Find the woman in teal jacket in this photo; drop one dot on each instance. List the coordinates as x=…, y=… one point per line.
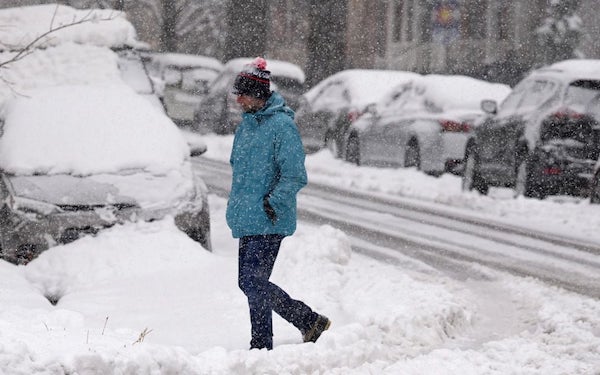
x=268, y=166
x=267, y=159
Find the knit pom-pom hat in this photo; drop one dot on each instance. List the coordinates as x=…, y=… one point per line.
x=254, y=80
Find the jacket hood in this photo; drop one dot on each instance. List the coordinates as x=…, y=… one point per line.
x=275, y=104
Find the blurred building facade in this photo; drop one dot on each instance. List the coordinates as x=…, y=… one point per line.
x=491, y=39
x=488, y=39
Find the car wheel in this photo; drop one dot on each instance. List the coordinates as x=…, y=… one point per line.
x=196, y=226
x=471, y=178
x=595, y=188
x=353, y=150
x=412, y=156
x=331, y=144
x=525, y=184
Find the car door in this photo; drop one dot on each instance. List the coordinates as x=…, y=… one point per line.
x=395, y=136
x=370, y=139
x=326, y=105
x=496, y=139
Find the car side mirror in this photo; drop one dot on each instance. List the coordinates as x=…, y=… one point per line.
x=489, y=106
x=197, y=150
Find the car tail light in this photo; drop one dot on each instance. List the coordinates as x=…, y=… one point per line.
x=566, y=114
x=353, y=116
x=455, y=126
x=551, y=171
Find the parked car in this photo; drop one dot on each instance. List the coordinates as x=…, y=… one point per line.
x=593, y=109
x=219, y=113
x=422, y=123
x=540, y=141
x=187, y=79
x=84, y=53
x=327, y=109
x=100, y=156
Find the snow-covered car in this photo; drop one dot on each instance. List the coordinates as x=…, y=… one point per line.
x=76, y=159
x=218, y=111
x=101, y=41
x=540, y=140
x=422, y=123
x=328, y=108
x=186, y=78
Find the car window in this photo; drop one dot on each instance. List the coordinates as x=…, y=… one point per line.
x=134, y=72
x=580, y=93
x=333, y=95
x=512, y=101
x=537, y=92
x=172, y=77
x=593, y=107
x=221, y=82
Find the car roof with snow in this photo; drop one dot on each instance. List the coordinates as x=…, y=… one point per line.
x=183, y=60
x=361, y=86
x=570, y=70
x=276, y=67
x=20, y=26
x=436, y=93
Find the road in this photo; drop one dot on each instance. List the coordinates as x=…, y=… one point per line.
x=459, y=244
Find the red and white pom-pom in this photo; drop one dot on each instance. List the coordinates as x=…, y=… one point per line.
x=260, y=63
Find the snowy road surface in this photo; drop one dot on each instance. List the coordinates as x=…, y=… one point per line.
x=451, y=240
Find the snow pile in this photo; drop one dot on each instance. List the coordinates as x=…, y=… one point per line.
x=66, y=64
x=122, y=131
x=151, y=277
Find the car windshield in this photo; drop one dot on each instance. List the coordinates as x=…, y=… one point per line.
x=580, y=93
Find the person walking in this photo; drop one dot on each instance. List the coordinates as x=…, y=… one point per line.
x=267, y=160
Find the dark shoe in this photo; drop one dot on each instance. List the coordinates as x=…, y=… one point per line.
x=261, y=344
x=319, y=326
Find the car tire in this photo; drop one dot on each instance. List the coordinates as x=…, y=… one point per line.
x=595, y=188
x=412, y=155
x=471, y=179
x=353, y=149
x=525, y=183
x=196, y=227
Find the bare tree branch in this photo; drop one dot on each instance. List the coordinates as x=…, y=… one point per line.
x=29, y=48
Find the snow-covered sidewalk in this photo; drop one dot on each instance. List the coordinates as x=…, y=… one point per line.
x=150, y=278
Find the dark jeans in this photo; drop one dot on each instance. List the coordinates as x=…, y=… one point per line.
x=257, y=256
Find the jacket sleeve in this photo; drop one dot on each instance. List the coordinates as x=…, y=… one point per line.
x=289, y=156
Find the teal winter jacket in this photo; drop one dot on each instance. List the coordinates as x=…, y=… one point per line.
x=267, y=159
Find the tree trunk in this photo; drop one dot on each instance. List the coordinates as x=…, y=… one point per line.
x=168, y=40
x=247, y=24
x=326, y=39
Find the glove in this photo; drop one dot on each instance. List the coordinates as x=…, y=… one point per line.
x=269, y=210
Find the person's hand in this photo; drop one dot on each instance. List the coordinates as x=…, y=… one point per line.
x=269, y=210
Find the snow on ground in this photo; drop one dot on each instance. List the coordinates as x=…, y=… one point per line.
x=143, y=298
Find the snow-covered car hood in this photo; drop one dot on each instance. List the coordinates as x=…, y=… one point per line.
x=136, y=188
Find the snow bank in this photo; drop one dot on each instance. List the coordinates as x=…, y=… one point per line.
x=100, y=27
